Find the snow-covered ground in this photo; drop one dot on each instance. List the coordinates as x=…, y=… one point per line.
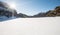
x=31, y=26
x=4, y=18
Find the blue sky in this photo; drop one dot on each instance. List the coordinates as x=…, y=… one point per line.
x=32, y=7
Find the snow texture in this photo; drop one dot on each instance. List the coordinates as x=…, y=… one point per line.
x=31, y=26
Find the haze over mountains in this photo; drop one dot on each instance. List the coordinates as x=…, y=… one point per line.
x=7, y=12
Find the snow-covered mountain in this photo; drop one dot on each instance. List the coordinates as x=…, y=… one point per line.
x=6, y=13
x=31, y=26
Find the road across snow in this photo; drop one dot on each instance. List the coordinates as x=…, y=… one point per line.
x=31, y=26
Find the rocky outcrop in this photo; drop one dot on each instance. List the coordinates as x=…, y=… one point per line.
x=55, y=12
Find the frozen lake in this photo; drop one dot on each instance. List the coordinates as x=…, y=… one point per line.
x=31, y=26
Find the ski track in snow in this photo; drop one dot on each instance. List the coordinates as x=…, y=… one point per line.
x=31, y=26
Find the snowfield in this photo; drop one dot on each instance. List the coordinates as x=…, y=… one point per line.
x=31, y=26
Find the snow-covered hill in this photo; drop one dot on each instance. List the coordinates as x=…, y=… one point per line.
x=31, y=26
x=4, y=18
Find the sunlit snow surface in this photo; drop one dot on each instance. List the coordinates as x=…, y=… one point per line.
x=31, y=26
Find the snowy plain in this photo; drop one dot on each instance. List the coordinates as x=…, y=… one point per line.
x=31, y=26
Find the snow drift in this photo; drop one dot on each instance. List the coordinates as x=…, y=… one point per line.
x=31, y=26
